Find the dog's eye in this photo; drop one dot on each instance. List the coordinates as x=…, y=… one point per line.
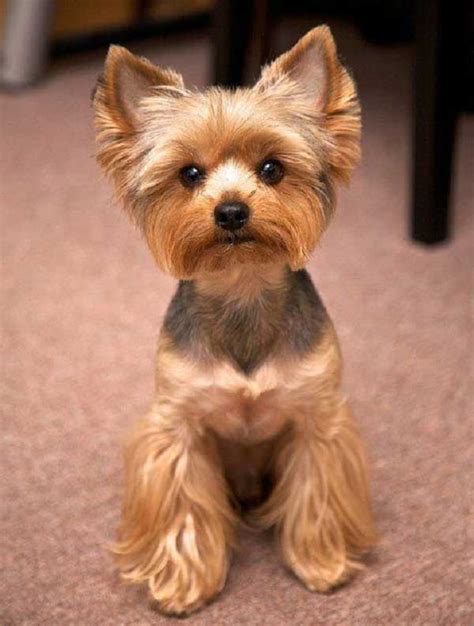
x=191, y=176
x=271, y=171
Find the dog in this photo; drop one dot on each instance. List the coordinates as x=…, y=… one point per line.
x=232, y=190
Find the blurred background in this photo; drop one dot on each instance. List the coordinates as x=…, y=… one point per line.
x=82, y=302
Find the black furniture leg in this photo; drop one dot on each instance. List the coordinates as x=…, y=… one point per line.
x=232, y=26
x=436, y=94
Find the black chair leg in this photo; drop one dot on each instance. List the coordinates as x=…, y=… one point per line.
x=232, y=28
x=436, y=105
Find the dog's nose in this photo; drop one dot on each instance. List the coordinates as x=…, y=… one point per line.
x=231, y=215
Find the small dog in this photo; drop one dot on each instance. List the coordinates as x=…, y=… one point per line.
x=232, y=190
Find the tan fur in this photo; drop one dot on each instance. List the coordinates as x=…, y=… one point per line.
x=215, y=429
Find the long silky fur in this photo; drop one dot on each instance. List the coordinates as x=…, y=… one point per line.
x=325, y=524
x=177, y=525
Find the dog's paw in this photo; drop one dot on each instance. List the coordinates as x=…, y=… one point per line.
x=182, y=588
x=321, y=577
x=184, y=567
x=178, y=592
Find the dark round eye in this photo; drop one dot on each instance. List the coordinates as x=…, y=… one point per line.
x=271, y=172
x=191, y=175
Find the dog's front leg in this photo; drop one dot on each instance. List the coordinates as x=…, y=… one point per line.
x=320, y=503
x=177, y=524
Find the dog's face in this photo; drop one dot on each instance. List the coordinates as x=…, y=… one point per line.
x=229, y=177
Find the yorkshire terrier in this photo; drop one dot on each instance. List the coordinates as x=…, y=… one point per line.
x=232, y=190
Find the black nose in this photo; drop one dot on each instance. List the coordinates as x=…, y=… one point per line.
x=231, y=215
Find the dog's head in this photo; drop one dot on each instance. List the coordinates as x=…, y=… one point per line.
x=227, y=177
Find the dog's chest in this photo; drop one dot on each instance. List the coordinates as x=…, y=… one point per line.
x=238, y=369
x=249, y=413
x=249, y=409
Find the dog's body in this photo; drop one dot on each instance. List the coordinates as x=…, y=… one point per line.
x=232, y=191
x=241, y=364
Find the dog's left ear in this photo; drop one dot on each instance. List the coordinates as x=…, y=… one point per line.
x=126, y=80
x=312, y=71
x=309, y=65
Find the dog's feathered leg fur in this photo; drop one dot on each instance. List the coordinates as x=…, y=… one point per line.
x=320, y=504
x=177, y=524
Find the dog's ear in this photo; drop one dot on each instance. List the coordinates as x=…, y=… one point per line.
x=312, y=71
x=309, y=65
x=120, y=103
x=126, y=80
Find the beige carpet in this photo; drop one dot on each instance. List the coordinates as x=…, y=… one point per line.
x=80, y=311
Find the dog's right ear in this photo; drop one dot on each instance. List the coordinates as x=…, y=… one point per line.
x=126, y=80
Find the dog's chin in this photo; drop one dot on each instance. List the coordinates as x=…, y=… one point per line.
x=226, y=252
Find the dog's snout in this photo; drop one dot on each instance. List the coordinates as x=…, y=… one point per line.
x=231, y=215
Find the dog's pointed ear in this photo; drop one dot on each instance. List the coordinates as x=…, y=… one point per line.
x=126, y=80
x=308, y=65
x=312, y=71
x=120, y=100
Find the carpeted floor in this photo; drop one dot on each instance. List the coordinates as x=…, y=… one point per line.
x=80, y=310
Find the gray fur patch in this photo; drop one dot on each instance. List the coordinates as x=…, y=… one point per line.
x=289, y=319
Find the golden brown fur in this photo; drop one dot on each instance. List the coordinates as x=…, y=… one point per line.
x=248, y=376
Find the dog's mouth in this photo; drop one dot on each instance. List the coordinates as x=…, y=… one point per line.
x=244, y=247
x=236, y=239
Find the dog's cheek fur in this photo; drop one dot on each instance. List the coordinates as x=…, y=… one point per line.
x=124, y=153
x=295, y=213
x=179, y=231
